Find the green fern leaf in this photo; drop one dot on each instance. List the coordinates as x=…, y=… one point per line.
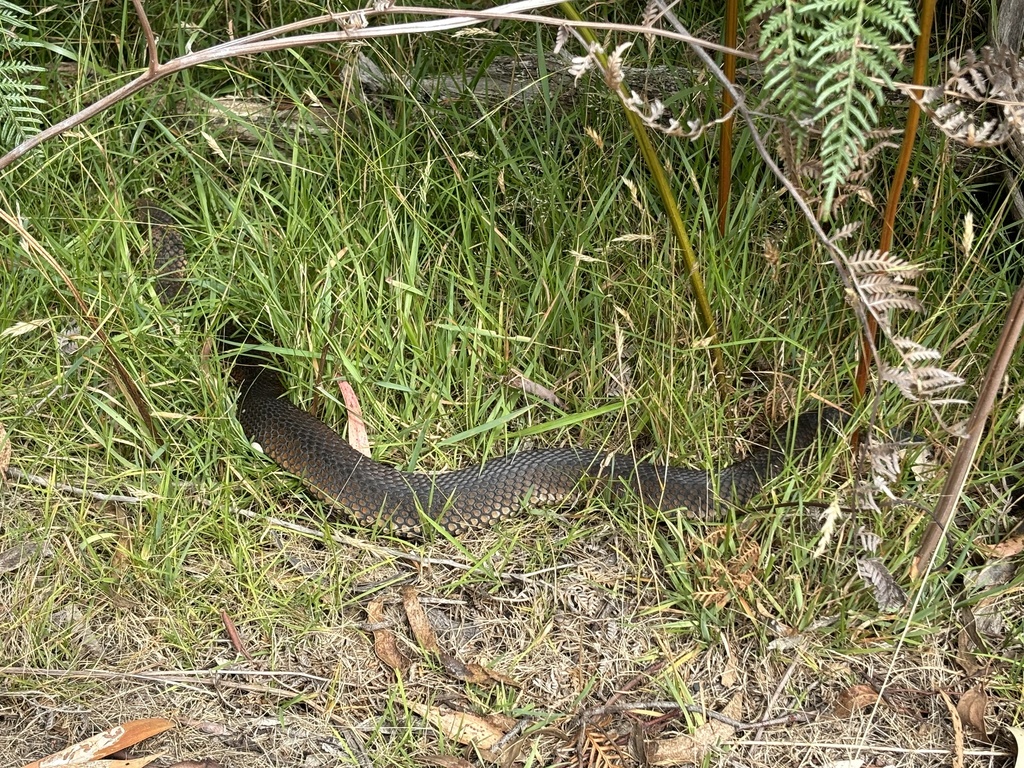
x=20, y=113
x=827, y=60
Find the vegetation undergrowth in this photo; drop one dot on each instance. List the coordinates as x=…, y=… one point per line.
x=426, y=250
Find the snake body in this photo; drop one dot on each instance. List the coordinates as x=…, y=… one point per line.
x=409, y=503
x=375, y=494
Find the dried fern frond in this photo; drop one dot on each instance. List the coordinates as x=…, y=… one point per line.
x=845, y=231
x=893, y=301
x=921, y=383
x=889, y=595
x=869, y=262
x=884, y=284
x=914, y=352
x=882, y=281
x=982, y=102
x=652, y=12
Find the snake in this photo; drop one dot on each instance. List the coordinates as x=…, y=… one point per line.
x=412, y=504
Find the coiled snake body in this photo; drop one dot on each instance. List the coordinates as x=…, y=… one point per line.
x=403, y=502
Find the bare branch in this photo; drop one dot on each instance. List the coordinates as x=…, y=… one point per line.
x=269, y=40
x=147, y=30
x=964, y=459
x=81, y=493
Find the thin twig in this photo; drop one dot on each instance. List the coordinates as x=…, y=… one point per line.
x=147, y=30
x=777, y=693
x=182, y=679
x=495, y=14
x=81, y=493
x=697, y=709
x=233, y=636
x=858, y=747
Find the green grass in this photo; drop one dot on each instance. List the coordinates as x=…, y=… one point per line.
x=424, y=253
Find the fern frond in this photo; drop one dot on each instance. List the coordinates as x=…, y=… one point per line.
x=845, y=231
x=881, y=283
x=913, y=352
x=921, y=383
x=868, y=262
x=983, y=99
x=856, y=52
x=885, y=303
x=20, y=113
x=840, y=53
x=785, y=36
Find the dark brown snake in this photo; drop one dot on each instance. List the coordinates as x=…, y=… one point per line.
x=408, y=503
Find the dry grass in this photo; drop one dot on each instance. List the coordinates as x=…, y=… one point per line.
x=576, y=613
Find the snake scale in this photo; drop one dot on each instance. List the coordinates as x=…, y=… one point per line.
x=409, y=503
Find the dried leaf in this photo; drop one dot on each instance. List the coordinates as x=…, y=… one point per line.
x=418, y=621
x=992, y=575
x=357, y=436
x=730, y=675
x=384, y=644
x=1010, y=547
x=519, y=381
x=889, y=595
x=958, y=731
x=854, y=698
x=463, y=727
x=971, y=709
x=13, y=558
x=989, y=621
x=102, y=744
x=5, y=452
x=693, y=748
x=966, y=642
